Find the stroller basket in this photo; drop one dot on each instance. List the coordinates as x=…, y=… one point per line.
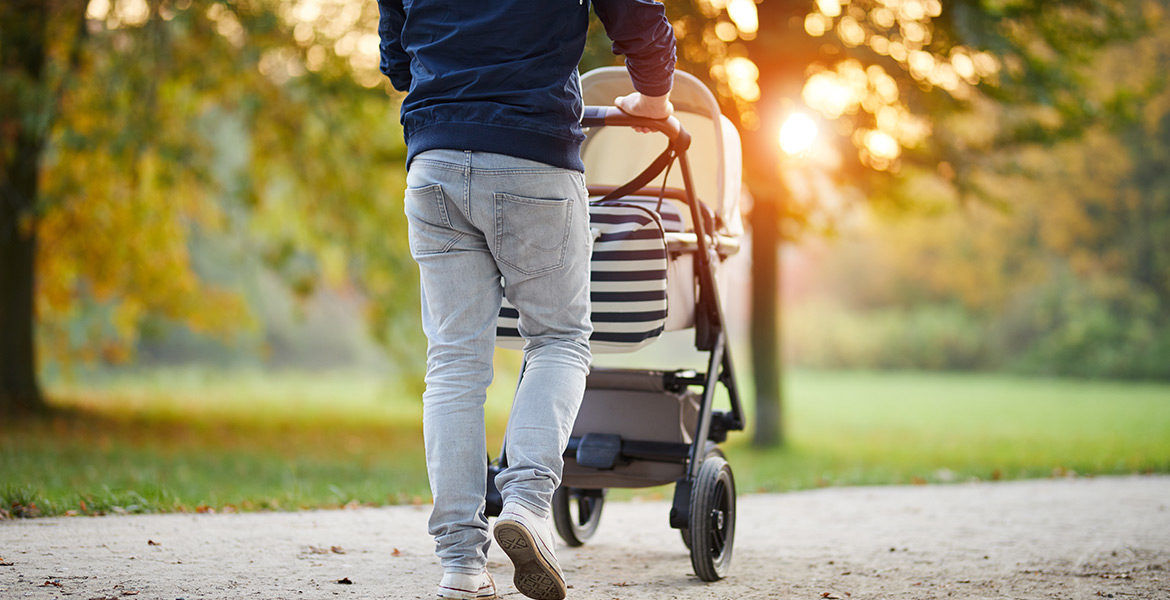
x=633, y=430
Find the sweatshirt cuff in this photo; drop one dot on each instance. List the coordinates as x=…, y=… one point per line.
x=654, y=88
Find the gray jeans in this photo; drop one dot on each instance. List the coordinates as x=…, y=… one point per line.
x=483, y=225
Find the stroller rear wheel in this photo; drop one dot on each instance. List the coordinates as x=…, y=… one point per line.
x=709, y=449
x=712, y=522
x=576, y=513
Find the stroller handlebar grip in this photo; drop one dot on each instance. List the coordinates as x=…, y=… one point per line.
x=602, y=116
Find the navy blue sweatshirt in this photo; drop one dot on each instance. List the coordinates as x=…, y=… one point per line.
x=501, y=75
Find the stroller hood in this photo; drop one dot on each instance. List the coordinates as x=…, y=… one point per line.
x=614, y=155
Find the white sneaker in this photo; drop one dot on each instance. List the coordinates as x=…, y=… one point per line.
x=527, y=540
x=461, y=586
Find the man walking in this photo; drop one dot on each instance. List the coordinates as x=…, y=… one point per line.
x=496, y=206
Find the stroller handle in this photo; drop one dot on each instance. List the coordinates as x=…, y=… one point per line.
x=602, y=116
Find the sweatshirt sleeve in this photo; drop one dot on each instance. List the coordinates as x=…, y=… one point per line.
x=395, y=63
x=641, y=32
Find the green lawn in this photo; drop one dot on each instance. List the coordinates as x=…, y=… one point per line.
x=194, y=440
x=848, y=428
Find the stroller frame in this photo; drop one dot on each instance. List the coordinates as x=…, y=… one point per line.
x=711, y=426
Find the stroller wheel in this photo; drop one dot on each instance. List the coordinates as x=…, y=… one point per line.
x=709, y=450
x=576, y=513
x=712, y=523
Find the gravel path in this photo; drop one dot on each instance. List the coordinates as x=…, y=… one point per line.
x=1065, y=538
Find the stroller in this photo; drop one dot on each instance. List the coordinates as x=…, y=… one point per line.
x=659, y=236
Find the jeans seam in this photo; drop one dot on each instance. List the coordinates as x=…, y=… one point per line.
x=467, y=170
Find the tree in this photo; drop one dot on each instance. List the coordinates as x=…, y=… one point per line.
x=888, y=75
x=1063, y=272
x=37, y=36
x=260, y=124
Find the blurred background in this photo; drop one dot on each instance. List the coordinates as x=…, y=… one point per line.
x=957, y=265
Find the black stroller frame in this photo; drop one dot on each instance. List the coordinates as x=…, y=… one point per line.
x=703, y=505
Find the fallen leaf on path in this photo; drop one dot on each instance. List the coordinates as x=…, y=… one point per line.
x=396, y=552
x=152, y=543
x=5, y=563
x=49, y=582
x=829, y=596
x=323, y=550
x=345, y=581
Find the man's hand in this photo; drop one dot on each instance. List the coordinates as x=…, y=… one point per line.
x=651, y=107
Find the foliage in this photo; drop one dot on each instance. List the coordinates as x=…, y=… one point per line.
x=1065, y=273
x=824, y=334
x=264, y=129
x=261, y=127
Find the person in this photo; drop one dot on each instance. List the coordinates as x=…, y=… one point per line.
x=497, y=207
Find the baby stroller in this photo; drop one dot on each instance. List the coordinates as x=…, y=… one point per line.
x=660, y=234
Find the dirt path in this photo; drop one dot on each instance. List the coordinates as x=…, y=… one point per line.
x=1067, y=538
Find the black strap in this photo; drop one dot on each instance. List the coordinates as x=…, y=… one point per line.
x=643, y=178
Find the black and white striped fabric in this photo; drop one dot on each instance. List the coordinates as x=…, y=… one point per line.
x=627, y=283
x=668, y=212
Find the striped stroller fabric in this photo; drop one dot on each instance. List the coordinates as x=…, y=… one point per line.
x=667, y=211
x=627, y=281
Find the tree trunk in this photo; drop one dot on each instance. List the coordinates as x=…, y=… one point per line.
x=782, y=51
x=767, y=361
x=19, y=391
x=23, y=104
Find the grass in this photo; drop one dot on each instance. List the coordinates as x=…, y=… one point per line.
x=850, y=428
x=190, y=440
x=193, y=440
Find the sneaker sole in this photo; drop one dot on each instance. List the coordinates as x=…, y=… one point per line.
x=535, y=576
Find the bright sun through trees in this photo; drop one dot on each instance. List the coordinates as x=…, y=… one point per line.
x=896, y=29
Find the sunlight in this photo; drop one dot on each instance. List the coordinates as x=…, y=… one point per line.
x=830, y=8
x=817, y=24
x=743, y=14
x=742, y=75
x=797, y=134
x=828, y=93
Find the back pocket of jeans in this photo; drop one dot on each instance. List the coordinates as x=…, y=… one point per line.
x=429, y=224
x=532, y=233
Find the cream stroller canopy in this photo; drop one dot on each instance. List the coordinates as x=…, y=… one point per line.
x=615, y=155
